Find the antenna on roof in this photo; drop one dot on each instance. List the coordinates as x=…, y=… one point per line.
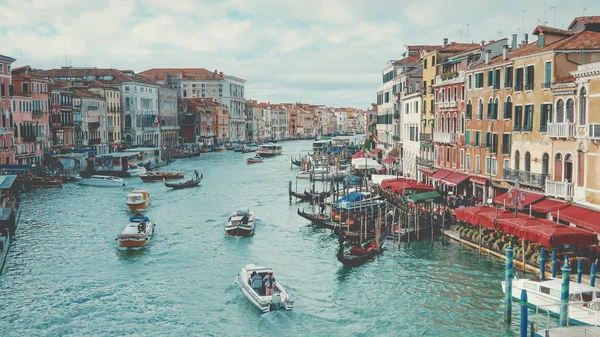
x=467, y=32
x=65, y=52
x=523, y=21
x=584, y=11
x=554, y=7
x=545, y=22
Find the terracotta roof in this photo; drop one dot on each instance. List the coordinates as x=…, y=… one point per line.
x=200, y=102
x=569, y=79
x=455, y=47
x=186, y=73
x=84, y=93
x=586, y=20
x=424, y=47
x=117, y=75
x=587, y=40
x=414, y=58
x=551, y=30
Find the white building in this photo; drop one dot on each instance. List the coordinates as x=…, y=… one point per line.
x=92, y=109
x=341, y=125
x=360, y=122
x=412, y=103
x=386, y=105
x=279, y=122
x=140, y=112
x=169, y=120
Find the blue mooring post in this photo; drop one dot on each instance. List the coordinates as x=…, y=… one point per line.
x=564, y=293
x=508, y=285
x=523, y=313
x=542, y=264
x=593, y=274
x=579, y=270
x=553, y=263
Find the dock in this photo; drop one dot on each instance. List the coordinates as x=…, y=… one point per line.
x=571, y=331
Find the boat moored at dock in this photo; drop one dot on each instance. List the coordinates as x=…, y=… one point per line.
x=103, y=181
x=137, y=233
x=4, y=244
x=138, y=200
x=268, y=296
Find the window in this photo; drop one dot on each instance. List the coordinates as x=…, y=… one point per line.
x=478, y=80
x=469, y=112
x=519, y=79
x=470, y=81
x=462, y=96
x=506, y=143
x=477, y=138
x=454, y=157
x=468, y=137
x=1, y=67
x=570, y=111
x=529, y=78
x=490, y=78
x=425, y=64
x=477, y=164
x=580, y=168
x=462, y=159
x=508, y=77
x=25, y=87
x=455, y=94
x=448, y=155
x=560, y=111
x=517, y=160
x=547, y=74
x=582, y=106
x=506, y=163
x=480, y=109
x=545, y=116
x=545, y=163
x=496, y=79
x=528, y=118
x=508, y=108
x=517, y=120
x=488, y=139
x=468, y=161
x=527, y=162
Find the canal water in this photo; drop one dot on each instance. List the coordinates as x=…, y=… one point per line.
x=65, y=275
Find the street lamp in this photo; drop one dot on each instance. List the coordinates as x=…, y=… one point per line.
x=516, y=196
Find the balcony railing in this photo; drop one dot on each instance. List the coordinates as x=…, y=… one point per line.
x=445, y=137
x=526, y=178
x=94, y=141
x=425, y=137
x=447, y=105
x=29, y=138
x=424, y=162
x=39, y=138
x=93, y=125
x=92, y=107
x=561, y=130
x=396, y=138
x=559, y=189
x=111, y=128
x=450, y=76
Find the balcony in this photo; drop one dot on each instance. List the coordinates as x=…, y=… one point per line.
x=94, y=141
x=39, y=138
x=447, y=105
x=93, y=125
x=559, y=189
x=36, y=112
x=424, y=162
x=525, y=178
x=127, y=129
x=396, y=139
x=450, y=76
x=396, y=116
x=561, y=130
x=111, y=128
x=2, y=131
x=425, y=137
x=29, y=138
x=445, y=137
x=92, y=107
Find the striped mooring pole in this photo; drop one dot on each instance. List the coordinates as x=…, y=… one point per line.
x=564, y=293
x=579, y=270
x=542, y=264
x=508, y=285
x=553, y=263
x=593, y=274
x=523, y=313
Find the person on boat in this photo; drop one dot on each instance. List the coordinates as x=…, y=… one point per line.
x=245, y=219
x=141, y=227
x=269, y=282
x=321, y=208
x=256, y=282
x=196, y=173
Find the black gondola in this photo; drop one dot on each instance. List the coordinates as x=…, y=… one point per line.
x=302, y=197
x=297, y=162
x=355, y=259
x=423, y=233
x=185, y=184
x=321, y=221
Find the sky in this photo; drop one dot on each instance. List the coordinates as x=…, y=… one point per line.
x=311, y=51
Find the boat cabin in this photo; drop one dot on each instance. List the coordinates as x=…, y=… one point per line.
x=147, y=155
x=578, y=292
x=321, y=145
x=138, y=196
x=107, y=178
x=10, y=204
x=341, y=141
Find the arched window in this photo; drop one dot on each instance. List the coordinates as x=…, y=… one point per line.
x=545, y=160
x=560, y=111
x=517, y=160
x=558, y=167
x=455, y=94
x=448, y=123
x=127, y=121
x=495, y=108
x=582, y=106
x=568, y=168
x=580, y=167
x=480, y=109
x=127, y=103
x=462, y=123
x=527, y=162
x=454, y=123
x=570, y=111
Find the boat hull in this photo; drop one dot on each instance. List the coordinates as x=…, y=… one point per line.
x=159, y=177
x=92, y=182
x=281, y=300
x=4, y=243
x=138, y=206
x=268, y=154
x=136, y=241
x=239, y=232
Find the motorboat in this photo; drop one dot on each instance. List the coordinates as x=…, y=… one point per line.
x=160, y=176
x=43, y=182
x=241, y=223
x=138, y=200
x=321, y=174
x=137, y=233
x=221, y=148
x=278, y=300
x=4, y=244
x=136, y=171
x=105, y=181
x=254, y=160
x=269, y=150
x=584, y=300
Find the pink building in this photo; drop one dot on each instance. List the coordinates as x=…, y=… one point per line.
x=31, y=115
x=7, y=155
x=371, y=121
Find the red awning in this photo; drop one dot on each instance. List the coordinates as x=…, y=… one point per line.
x=441, y=174
x=580, y=216
x=478, y=180
x=487, y=217
x=547, y=205
x=389, y=160
x=360, y=154
x=454, y=179
x=529, y=199
x=467, y=214
x=374, y=152
x=426, y=171
x=401, y=184
x=546, y=232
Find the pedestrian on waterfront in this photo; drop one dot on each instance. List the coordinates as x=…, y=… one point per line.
x=269, y=282
x=256, y=282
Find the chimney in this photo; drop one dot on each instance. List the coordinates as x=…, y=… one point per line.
x=519, y=46
x=505, y=52
x=487, y=56
x=526, y=38
x=513, y=44
x=215, y=71
x=523, y=43
x=220, y=73
x=445, y=41
x=482, y=42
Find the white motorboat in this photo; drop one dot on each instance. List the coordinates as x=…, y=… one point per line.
x=137, y=233
x=241, y=223
x=106, y=181
x=269, y=150
x=136, y=171
x=322, y=174
x=280, y=298
x=584, y=300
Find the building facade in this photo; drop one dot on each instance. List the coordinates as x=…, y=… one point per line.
x=62, y=125
x=7, y=108
x=169, y=120
x=92, y=109
x=112, y=97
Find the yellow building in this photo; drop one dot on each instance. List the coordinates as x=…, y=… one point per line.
x=113, y=112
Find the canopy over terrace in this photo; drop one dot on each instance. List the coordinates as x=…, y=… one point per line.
x=419, y=198
x=579, y=216
x=366, y=164
x=505, y=200
x=400, y=185
x=360, y=154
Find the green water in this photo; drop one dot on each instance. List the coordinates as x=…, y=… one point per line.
x=65, y=275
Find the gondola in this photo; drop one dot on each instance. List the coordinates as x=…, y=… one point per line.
x=296, y=162
x=424, y=232
x=185, y=184
x=301, y=197
x=358, y=256
x=321, y=221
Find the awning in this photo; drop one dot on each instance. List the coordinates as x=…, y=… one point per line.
x=547, y=205
x=579, y=216
x=374, y=152
x=426, y=171
x=389, y=160
x=488, y=216
x=441, y=174
x=454, y=179
x=530, y=198
x=478, y=180
x=366, y=163
x=360, y=154
x=546, y=232
x=399, y=185
x=467, y=214
x=423, y=197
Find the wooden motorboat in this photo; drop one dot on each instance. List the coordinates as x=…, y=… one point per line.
x=185, y=184
x=104, y=181
x=254, y=160
x=279, y=299
x=160, y=176
x=137, y=233
x=43, y=182
x=138, y=200
x=241, y=223
x=221, y=148
x=185, y=154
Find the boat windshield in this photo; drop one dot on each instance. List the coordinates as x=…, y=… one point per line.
x=135, y=197
x=243, y=211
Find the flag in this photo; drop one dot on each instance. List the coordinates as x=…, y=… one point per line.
x=157, y=119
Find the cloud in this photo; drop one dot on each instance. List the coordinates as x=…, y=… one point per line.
x=320, y=51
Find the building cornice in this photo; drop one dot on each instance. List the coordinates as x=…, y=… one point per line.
x=586, y=73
